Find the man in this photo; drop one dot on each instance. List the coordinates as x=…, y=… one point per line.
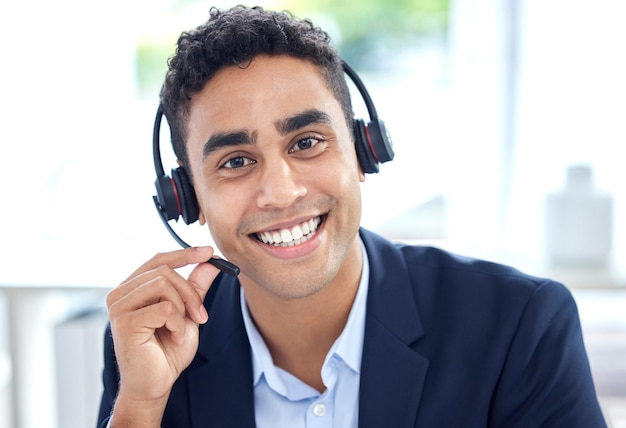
x=327, y=324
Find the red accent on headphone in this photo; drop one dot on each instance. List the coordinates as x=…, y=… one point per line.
x=369, y=141
x=180, y=209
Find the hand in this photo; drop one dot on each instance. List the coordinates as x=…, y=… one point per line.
x=154, y=322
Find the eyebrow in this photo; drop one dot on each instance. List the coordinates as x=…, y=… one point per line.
x=226, y=139
x=300, y=120
x=283, y=126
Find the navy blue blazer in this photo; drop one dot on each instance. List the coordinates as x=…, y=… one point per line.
x=449, y=342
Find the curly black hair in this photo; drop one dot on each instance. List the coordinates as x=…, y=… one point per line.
x=235, y=37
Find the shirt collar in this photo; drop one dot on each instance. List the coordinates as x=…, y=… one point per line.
x=348, y=346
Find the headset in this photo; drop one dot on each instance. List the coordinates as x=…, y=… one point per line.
x=175, y=196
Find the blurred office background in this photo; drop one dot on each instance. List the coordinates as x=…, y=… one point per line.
x=507, y=117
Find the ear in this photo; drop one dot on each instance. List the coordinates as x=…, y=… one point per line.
x=201, y=219
x=361, y=175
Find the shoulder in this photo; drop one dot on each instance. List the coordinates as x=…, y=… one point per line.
x=442, y=281
x=493, y=335
x=433, y=264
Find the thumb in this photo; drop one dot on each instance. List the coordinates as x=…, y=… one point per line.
x=202, y=276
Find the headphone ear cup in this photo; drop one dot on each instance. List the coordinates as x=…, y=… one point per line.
x=364, y=153
x=166, y=198
x=186, y=195
x=380, y=141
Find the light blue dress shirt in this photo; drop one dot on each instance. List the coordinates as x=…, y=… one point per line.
x=283, y=401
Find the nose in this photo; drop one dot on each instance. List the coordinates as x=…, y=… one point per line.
x=279, y=185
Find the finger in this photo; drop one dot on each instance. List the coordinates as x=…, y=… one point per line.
x=187, y=292
x=157, y=279
x=148, y=293
x=201, y=278
x=175, y=259
x=174, y=323
x=162, y=283
x=145, y=321
x=164, y=265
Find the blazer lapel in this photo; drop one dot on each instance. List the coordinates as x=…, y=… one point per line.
x=392, y=373
x=220, y=384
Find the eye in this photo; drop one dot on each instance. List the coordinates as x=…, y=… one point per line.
x=237, y=162
x=306, y=143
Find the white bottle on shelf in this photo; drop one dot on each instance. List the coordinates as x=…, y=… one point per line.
x=579, y=221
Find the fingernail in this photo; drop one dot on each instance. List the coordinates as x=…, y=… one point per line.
x=204, y=316
x=203, y=249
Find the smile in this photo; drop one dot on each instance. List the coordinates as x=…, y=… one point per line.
x=295, y=235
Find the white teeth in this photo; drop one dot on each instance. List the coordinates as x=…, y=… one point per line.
x=290, y=237
x=296, y=232
x=286, y=235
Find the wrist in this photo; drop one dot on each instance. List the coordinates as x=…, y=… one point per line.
x=133, y=413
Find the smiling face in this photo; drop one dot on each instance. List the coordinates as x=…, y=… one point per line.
x=276, y=176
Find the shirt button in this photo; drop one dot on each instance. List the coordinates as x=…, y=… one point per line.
x=319, y=409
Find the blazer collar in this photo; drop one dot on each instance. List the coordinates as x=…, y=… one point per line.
x=392, y=373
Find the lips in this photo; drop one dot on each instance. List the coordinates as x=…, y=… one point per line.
x=292, y=236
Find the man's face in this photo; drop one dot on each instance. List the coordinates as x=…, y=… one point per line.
x=276, y=175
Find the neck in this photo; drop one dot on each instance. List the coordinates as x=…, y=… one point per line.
x=299, y=332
